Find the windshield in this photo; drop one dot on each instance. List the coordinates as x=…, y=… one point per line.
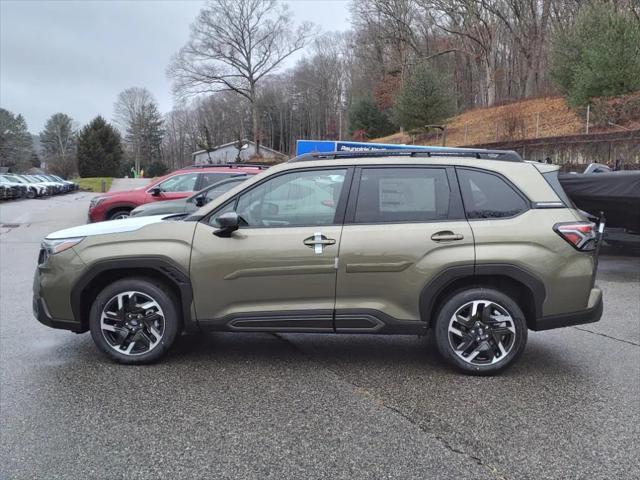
x=11, y=178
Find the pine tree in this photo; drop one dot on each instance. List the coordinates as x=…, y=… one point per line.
x=366, y=116
x=16, y=148
x=99, y=150
x=425, y=99
x=599, y=56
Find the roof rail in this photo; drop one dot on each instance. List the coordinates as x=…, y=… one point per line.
x=232, y=165
x=504, y=155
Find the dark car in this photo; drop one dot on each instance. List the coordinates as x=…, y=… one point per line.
x=192, y=203
x=13, y=189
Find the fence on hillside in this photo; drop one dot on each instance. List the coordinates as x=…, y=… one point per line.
x=573, y=150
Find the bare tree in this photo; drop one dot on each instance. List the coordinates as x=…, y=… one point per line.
x=526, y=21
x=58, y=140
x=137, y=116
x=234, y=45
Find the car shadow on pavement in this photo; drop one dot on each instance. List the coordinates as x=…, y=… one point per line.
x=350, y=351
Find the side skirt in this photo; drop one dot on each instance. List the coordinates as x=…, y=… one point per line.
x=316, y=321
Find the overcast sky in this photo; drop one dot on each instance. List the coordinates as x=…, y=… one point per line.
x=76, y=56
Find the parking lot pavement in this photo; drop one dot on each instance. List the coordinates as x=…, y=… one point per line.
x=304, y=406
x=120, y=184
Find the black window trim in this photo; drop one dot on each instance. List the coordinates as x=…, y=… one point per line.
x=456, y=210
x=528, y=204
x=338, y=218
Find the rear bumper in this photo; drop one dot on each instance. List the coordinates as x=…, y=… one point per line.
x=591, y=314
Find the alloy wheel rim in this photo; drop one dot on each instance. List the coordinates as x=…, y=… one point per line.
x=120, y=216
x=482, y=332
x=132, y=323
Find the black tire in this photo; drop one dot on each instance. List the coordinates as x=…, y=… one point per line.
x=31, y=193
x=456, y=303
x=149, y=288
x=119, y=213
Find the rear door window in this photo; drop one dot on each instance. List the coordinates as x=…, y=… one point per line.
x=486, y=195
x=209, y=178
x=390, y=195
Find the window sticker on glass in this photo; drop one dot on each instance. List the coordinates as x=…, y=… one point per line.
x=407, y=194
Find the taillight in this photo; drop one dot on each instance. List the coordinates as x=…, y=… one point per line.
x=581, y=235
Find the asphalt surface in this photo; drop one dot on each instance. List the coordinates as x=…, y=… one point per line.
x=120, y=184
x=305, y=406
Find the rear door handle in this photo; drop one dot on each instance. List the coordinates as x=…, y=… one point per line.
x=446, y=236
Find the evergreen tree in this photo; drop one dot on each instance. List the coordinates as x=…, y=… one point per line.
x=16, y=148
x=599, y=56
x=366, y=116
x=425, y=99
x=99, y=150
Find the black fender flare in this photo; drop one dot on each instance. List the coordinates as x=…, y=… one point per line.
x=439, y=283
x=164, y=266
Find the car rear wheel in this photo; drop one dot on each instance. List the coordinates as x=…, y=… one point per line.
x=119, y=214
x=480, y=331
x=134, y=321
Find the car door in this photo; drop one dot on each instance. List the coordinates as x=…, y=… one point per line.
x=277, y=271
x=403, y=226
x=175, y=187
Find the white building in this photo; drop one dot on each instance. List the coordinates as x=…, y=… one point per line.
x=228, y=153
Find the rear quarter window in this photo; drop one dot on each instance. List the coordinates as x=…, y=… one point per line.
x=554, y=183
x=486, y=195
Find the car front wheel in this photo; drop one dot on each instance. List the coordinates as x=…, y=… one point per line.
x=481, y=331
x=119, y=214
x=134, y=321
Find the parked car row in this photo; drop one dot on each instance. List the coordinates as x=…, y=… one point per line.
x=13, y=185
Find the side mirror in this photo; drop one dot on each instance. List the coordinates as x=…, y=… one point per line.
x=156, y=191
x=228, y=223
x=200, y=201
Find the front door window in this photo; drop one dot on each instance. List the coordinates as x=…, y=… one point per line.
x=308, y=198
x=179, y=183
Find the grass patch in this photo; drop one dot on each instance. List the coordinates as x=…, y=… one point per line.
x=93, y=184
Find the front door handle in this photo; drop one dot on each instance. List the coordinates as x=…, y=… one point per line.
x=317, y=241
x=446, y=236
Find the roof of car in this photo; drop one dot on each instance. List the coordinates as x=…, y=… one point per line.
x=440, y=152
x=223, y=167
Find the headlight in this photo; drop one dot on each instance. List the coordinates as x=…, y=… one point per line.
x=95, y=201
x=58, y=246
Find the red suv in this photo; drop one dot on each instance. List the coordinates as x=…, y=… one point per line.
x=179, y=184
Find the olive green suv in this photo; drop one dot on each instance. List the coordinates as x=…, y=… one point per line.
x=476, y=247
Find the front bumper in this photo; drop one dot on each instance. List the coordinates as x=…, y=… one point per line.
x=591, y=314
x=52, y=282
x=41, y=312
